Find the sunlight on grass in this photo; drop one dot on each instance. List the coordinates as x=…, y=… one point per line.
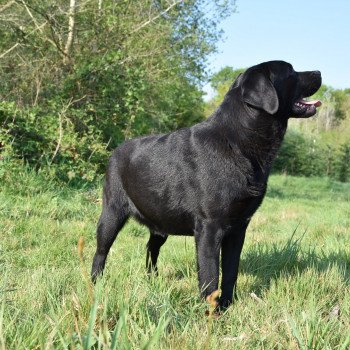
x=295, y=270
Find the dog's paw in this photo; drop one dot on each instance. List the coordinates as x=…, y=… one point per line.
x=213, y=301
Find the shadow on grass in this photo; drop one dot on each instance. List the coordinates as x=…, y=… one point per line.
x=269, y=263
x=274, y=192
x=327, y=189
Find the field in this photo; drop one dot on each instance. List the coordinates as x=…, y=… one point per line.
x=293, y=286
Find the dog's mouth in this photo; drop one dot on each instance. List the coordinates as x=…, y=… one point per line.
x=303, y=108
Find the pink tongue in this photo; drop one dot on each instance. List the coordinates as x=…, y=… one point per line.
x=316, y=103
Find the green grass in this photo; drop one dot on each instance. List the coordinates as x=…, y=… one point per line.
x=296, y=260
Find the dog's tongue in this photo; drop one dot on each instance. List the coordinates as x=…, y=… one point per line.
x=316, y=103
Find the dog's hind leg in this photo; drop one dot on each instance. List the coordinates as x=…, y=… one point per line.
x=154, y=244
x=115, y=212
x=110, y=223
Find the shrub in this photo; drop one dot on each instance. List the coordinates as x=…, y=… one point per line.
x=308, y=156
x=50, y=141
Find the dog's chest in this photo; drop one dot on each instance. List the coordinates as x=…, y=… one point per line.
x=233, y=200
x=244, y=208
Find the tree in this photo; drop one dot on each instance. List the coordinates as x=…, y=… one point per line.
x=334, y=109
x=221, y=82
x=123, y=68
x=225, y=76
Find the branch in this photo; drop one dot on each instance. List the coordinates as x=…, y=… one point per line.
x=2, y=9
x=44, y=36
x=58, y=146
x=56, y=40
x=60, y=136
x=61, y=115
x=9, y=50
x=14, y=46
x=156, y=17
x=71, y=24
x=30, y=14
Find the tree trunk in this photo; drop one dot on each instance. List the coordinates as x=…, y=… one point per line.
x=70, y=36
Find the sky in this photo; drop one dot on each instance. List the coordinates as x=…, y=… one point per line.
x=309, y=34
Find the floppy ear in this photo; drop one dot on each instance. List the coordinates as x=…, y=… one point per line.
x=258, y=91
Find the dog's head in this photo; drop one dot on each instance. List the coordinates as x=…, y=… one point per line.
x=276, y=88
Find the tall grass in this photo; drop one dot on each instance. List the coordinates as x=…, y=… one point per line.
x=295, y=271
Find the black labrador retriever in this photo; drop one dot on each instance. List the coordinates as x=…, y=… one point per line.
x=209, y=179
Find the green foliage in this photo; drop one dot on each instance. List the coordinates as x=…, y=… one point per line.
x=309, y=156
x=131, y=68
x=54, y=144
x=335, y=107
x=226, y=76
x=342, y=163
x=221, y=82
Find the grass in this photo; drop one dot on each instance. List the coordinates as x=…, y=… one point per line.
x=293, y=285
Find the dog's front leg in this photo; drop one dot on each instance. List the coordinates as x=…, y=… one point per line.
x=208, y=243
x=231, y=248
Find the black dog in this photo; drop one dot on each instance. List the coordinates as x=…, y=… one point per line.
x=209, y=179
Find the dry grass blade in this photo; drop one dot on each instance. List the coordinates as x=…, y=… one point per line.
x=238, y=338
x=334, y=313
x=256, y=298
x=81, y=245
x=213, y=304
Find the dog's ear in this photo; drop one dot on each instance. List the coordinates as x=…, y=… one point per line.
x=258, y=91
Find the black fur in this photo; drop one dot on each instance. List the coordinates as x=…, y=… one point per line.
x=206, y=180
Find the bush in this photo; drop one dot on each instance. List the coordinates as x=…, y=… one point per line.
x=341, y=168
x=308, y=156
x=59, y=146
x=50, y=142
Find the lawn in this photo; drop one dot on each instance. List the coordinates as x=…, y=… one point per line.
x=293, y=286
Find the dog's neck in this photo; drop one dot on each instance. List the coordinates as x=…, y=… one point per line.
x=257, y=137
